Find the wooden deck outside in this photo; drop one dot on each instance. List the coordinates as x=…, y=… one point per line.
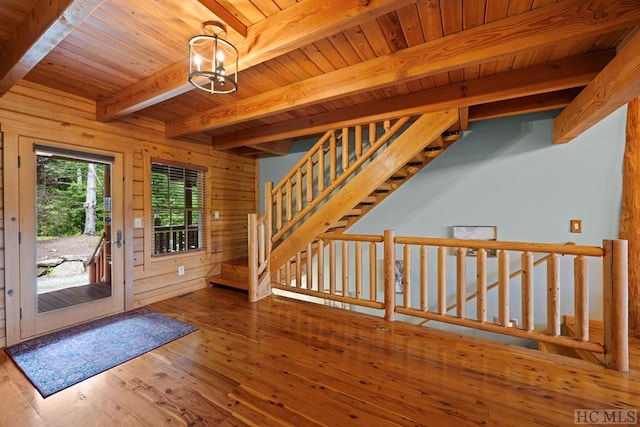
x=67, y=297
x=286, y=362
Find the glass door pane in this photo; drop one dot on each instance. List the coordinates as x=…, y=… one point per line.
x=73, y=259
x=71, y=247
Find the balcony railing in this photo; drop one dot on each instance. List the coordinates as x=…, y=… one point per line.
x=172, y=239
x=438, y=278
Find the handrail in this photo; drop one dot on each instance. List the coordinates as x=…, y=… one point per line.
x=352, y=237
x=97, y=248
x=351, y=276
x=316, y=190
x=552, y=248
x=99, y=271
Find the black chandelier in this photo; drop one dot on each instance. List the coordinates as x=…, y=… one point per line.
x=213, y=61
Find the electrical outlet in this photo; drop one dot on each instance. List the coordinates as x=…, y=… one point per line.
x=181, y=270
x=216, y=215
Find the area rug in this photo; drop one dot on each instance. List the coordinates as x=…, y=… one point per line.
x=56, y=361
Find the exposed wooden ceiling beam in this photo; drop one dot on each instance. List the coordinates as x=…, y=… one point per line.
x=227, y=16
x=527, y=104
x=617, y=84
x=286, y=31
x=247, y=152
x=554, y=76
x=44, y=28
x=563, y=21
x=309, y=21
x=279, y=148
x=463, y=112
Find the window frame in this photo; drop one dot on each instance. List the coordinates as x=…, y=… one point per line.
x=201, y=207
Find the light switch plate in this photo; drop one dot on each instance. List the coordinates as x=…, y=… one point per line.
x=576, y=226
x=137, y=222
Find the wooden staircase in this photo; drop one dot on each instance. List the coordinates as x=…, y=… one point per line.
x=371, y=181
x=395, y=181
x=339, y=181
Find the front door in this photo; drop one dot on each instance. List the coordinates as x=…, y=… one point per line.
x=71, y=249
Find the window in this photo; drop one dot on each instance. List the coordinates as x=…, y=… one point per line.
x=177, y=206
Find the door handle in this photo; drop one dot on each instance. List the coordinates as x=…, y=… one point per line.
x=119, y=238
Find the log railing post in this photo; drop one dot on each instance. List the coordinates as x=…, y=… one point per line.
x=389, y=275
x=581, y=297
x=503, y=287
x=253, y=257
x=268, y=209
x=481, y=285
x=527, y=291
x=461, y=282
x=615, y=304
x=553, y=295
x=630, y=210
x=442, y=280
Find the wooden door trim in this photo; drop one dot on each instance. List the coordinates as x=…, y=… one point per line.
x=11, y=233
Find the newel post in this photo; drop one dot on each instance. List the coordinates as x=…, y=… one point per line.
x=615, y=308
x=389, y=275
x=253, y=257
x=268, y=209
x=268, y=197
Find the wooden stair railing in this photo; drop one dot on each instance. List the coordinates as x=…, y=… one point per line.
x=349, y=198
x=477, y=296
x=307, y=171
x=326, y=166
x=349, y=272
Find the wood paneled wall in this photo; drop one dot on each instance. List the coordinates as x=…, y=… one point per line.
x=39, y=112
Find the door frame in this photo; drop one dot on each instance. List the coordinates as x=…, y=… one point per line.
x=12, y=196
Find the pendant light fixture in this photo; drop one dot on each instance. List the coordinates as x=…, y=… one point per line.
x=213, y=61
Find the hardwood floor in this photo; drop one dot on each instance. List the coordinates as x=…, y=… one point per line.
x=285, y=362
x=66, y=297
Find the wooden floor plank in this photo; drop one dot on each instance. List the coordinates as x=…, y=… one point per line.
x=285, y=362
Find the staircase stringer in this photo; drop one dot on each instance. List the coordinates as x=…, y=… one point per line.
x=408, y=145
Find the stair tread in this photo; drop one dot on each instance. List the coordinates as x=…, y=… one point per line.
x=237, y=261
x=233, y=273
x=222, y=280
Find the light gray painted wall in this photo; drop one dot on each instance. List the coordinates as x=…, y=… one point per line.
x=506, y=172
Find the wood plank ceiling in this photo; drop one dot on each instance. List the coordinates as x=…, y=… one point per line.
x=310, y=65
